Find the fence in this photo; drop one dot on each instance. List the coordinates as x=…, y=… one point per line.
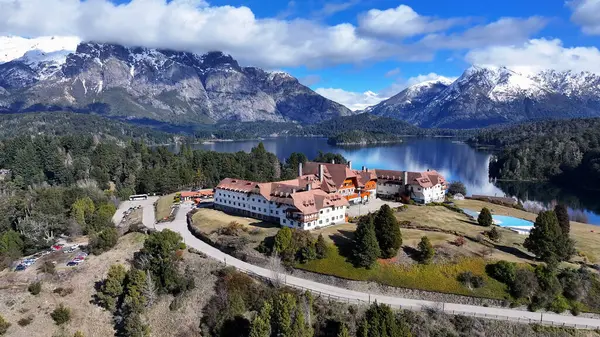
x=440, y=306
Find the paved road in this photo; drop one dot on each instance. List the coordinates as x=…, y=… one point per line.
x=179, y=225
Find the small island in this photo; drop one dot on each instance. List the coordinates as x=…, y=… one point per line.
x=357, y=137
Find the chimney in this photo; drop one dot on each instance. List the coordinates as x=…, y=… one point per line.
x=350, y=164
x=308, y=187
x=299, y=169
x=405, y=181
x=333, y=161
x=364, y=168
x=321, y=172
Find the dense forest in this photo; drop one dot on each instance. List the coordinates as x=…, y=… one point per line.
x=69, y=123
x=361, y=138
x=565, y=151
x=71, y=184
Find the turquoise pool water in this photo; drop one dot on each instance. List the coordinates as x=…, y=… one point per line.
x=506, y=221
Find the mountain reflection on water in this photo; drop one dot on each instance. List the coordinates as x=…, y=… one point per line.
x=453, y=159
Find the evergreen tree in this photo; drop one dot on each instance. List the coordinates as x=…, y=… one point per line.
x=284, y=305
x=547, y=241
x=380, y=321
x=135, y=327
x=321, y=247
x=387, y=230
x=343, y=331
x=562, y=215
x=457, y=187
x=135, y=284
x=112, y=288
x=485, y=218
x=426, y=251
x=261, y=325
x=159, y=257
x=283, y=239
x=366, y=249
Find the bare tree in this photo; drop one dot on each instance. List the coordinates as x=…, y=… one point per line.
x=150, y=290
x=36, y=230
x=277, y=276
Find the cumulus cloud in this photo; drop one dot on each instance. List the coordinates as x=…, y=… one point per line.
x=586, y=13
x=403, y=22
x=501, y=32
x=195, y=26
x=538, y=54
x=361, y=100
x=352, y=100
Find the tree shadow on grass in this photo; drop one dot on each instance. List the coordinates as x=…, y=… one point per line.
x=343, y=240
x=514, y=251
x=411, y=252
x=470, y=222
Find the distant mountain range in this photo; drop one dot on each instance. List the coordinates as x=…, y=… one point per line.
x=484, y=96
x=150, y=84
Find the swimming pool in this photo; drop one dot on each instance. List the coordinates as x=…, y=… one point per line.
x=519, y=225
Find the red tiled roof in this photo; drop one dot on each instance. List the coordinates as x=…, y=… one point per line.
x=423, y=179
x=237, y=185
x=334, y=174
x=193, y=194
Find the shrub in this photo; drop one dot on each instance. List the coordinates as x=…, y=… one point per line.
x=494, y=234
x=25, y=321
x=176, y=303
x=35, y=288
x=459, y=241
x=61, y=315
x=456, y=187
x=468, y=279
x=426, y=251
x=576, y=308
x=4, y=325
x=485, y=217
x=48, y=268
x=103, y=241
x=559, y=305
x=63, y=291
x=232, y=229
x=502, y=271
x=321, y=247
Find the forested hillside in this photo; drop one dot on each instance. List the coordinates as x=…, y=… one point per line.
x=567, y=151
x=69, y=123
x=361, y=138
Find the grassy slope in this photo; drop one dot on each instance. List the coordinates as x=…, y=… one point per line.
x=163, y=206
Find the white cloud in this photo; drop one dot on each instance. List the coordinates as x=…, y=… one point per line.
x=538, y=54
x=586, y=13
x=402, y=22
x=501, y=32
x=361, y=100
x=332, y=8
x=194, y=26
x=352, y=100
x=392, y=72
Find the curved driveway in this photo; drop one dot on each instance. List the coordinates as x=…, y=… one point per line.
x=180, y=225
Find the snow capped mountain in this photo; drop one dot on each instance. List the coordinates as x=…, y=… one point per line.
x=488, y=95
x=14, y=47
x=160, y=85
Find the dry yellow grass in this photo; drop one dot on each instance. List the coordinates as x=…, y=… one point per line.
x=587, y=237
x=163, y=206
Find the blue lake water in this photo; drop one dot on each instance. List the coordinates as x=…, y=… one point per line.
x=453, y=159
x=505, y=221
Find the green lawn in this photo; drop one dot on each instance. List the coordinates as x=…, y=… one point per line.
x=163, y=206
x=434, y=277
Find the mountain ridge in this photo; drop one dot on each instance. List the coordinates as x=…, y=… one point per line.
x=157, y=84
x=487, y=95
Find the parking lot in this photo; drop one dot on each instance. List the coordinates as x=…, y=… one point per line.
x=372, y=207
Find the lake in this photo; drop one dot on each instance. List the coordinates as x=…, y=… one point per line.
x=453, y=159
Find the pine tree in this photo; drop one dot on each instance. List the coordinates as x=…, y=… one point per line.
x=343, y=331
x=387, y=230
x=366, y=249
x=261, y=325
x=485, y=217
x=562, y=215
x=284, y=305
x=426, y=250
x=321, y=247
x=283, y=238
x=547, y=241
x=112, y=288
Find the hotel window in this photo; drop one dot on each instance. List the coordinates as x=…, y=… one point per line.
x=253, y=208
x=320, y=222
x=283, y=220
x=321, y=212
x=277, y=212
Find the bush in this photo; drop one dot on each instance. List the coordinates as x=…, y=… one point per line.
x=35, y=288
x=63, y=291
x=576, y=308
x=48, y=268
x=559, y=305
x=502, y=271
x=426, y=251
x=459, y=241
x=468, y=279
x=4, y=325
x=25, y=321
x=321, y=247
x=485, y=218
x=232, y=229
x=103, y=241
x=176, y=303
x=61, y=315
x=456, y=187
x=494, y=234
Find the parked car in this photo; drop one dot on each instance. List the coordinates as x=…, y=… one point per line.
x=57, y=247
x=20, y=267
x=72, y=263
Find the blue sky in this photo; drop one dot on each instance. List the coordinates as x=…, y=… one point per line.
x=356, y=52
